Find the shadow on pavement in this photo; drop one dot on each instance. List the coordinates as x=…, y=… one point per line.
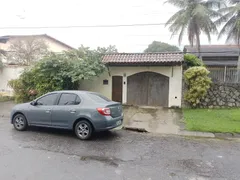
x=98, y=136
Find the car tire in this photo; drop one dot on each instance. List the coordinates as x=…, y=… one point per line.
x=20, y=122
x=83, y=130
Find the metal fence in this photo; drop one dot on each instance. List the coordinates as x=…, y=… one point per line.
x=225, y=75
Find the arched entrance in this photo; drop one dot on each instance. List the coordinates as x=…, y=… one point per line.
x=148, y=88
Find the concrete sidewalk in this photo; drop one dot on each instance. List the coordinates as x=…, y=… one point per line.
x=152, y=119
x=158, y=120
x=5, y=108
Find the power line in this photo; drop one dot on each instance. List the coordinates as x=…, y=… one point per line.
x=82, y=26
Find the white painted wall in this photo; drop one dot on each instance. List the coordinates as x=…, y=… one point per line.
x=12, y=72
x=9, y=72
x=174, y=73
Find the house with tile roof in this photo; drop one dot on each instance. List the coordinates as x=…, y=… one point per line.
x=145, y=79
x=52, y=43
x=221, y=60
x=217, y=55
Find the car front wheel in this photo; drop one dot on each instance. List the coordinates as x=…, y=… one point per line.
x=83, y=130
x=20, y=122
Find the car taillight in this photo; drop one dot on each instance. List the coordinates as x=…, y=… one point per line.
x=104, y=111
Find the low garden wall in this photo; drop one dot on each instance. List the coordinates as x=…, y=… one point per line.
x=218, y=96
x=222, y=95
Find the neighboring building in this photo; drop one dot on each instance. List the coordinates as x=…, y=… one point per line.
x=221, y=61
x=217, y=55
x=13, y=71
x=151, y=79
x=53, y=44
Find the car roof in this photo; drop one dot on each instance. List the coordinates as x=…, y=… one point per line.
x=72, y=91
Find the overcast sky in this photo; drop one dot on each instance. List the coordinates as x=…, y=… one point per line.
x=93, y=12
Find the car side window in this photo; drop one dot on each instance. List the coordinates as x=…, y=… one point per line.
x=98, y=98
x=69, y=99
x=47, y=100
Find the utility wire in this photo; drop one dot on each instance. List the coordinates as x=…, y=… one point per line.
x=231, y=52
x=81, y=26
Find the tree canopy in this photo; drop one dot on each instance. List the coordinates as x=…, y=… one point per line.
x=157, y=46
x=194, y=17
x=231, y=21
x=59, y=72
x=26, y=51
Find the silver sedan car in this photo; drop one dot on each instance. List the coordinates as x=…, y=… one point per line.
x=81, y=111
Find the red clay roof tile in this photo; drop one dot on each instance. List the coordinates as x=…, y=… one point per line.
x=143, y=58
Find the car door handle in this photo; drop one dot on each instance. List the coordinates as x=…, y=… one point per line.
x=72, y=111
x=48, y=111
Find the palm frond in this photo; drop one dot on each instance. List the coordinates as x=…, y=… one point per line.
x=180, y=37
x=233, y=1
x=234, y=32
x=215, y=3
x=177, y=3
x=214, y=14
x=208, y=27
x=227, y=27
x=224, y=18
x=174, y=17
x=226, y=9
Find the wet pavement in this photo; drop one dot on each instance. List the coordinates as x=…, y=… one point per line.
x=49, y=154
x=5, y=108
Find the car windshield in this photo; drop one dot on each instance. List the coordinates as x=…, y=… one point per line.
x=98, y=98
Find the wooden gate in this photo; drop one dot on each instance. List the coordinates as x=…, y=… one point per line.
x=148, y=88
x=117, y=88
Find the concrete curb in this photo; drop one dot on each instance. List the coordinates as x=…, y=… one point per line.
x=196, y=134
x=181, y=133
x=227, y=135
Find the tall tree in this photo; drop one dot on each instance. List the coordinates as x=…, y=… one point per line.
x=195, y=17
x=231, y=21
x=157, y=46
x=107, y=50
x=27, y=51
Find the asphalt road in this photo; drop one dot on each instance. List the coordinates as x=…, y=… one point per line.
x=47, y=154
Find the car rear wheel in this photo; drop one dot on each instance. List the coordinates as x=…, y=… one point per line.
x=83, y=130
x=20, y=122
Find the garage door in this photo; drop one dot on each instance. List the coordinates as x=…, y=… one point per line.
x=148, y=88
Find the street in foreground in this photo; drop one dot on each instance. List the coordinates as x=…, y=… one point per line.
x=41, y=153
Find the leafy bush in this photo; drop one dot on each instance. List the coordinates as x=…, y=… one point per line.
x=5, y=98
x=57, y=72
x=198, y=83
x=191, y=60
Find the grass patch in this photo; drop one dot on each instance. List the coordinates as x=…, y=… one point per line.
x=213, y=120
x=6, y=98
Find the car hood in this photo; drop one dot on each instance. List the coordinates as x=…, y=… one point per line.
x=21, y=106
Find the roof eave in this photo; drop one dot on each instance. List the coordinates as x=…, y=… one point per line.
x=177, y=63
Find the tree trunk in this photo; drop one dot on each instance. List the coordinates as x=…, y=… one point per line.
x=198, y=46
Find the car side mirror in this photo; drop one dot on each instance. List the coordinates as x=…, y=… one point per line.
x=33, y=103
